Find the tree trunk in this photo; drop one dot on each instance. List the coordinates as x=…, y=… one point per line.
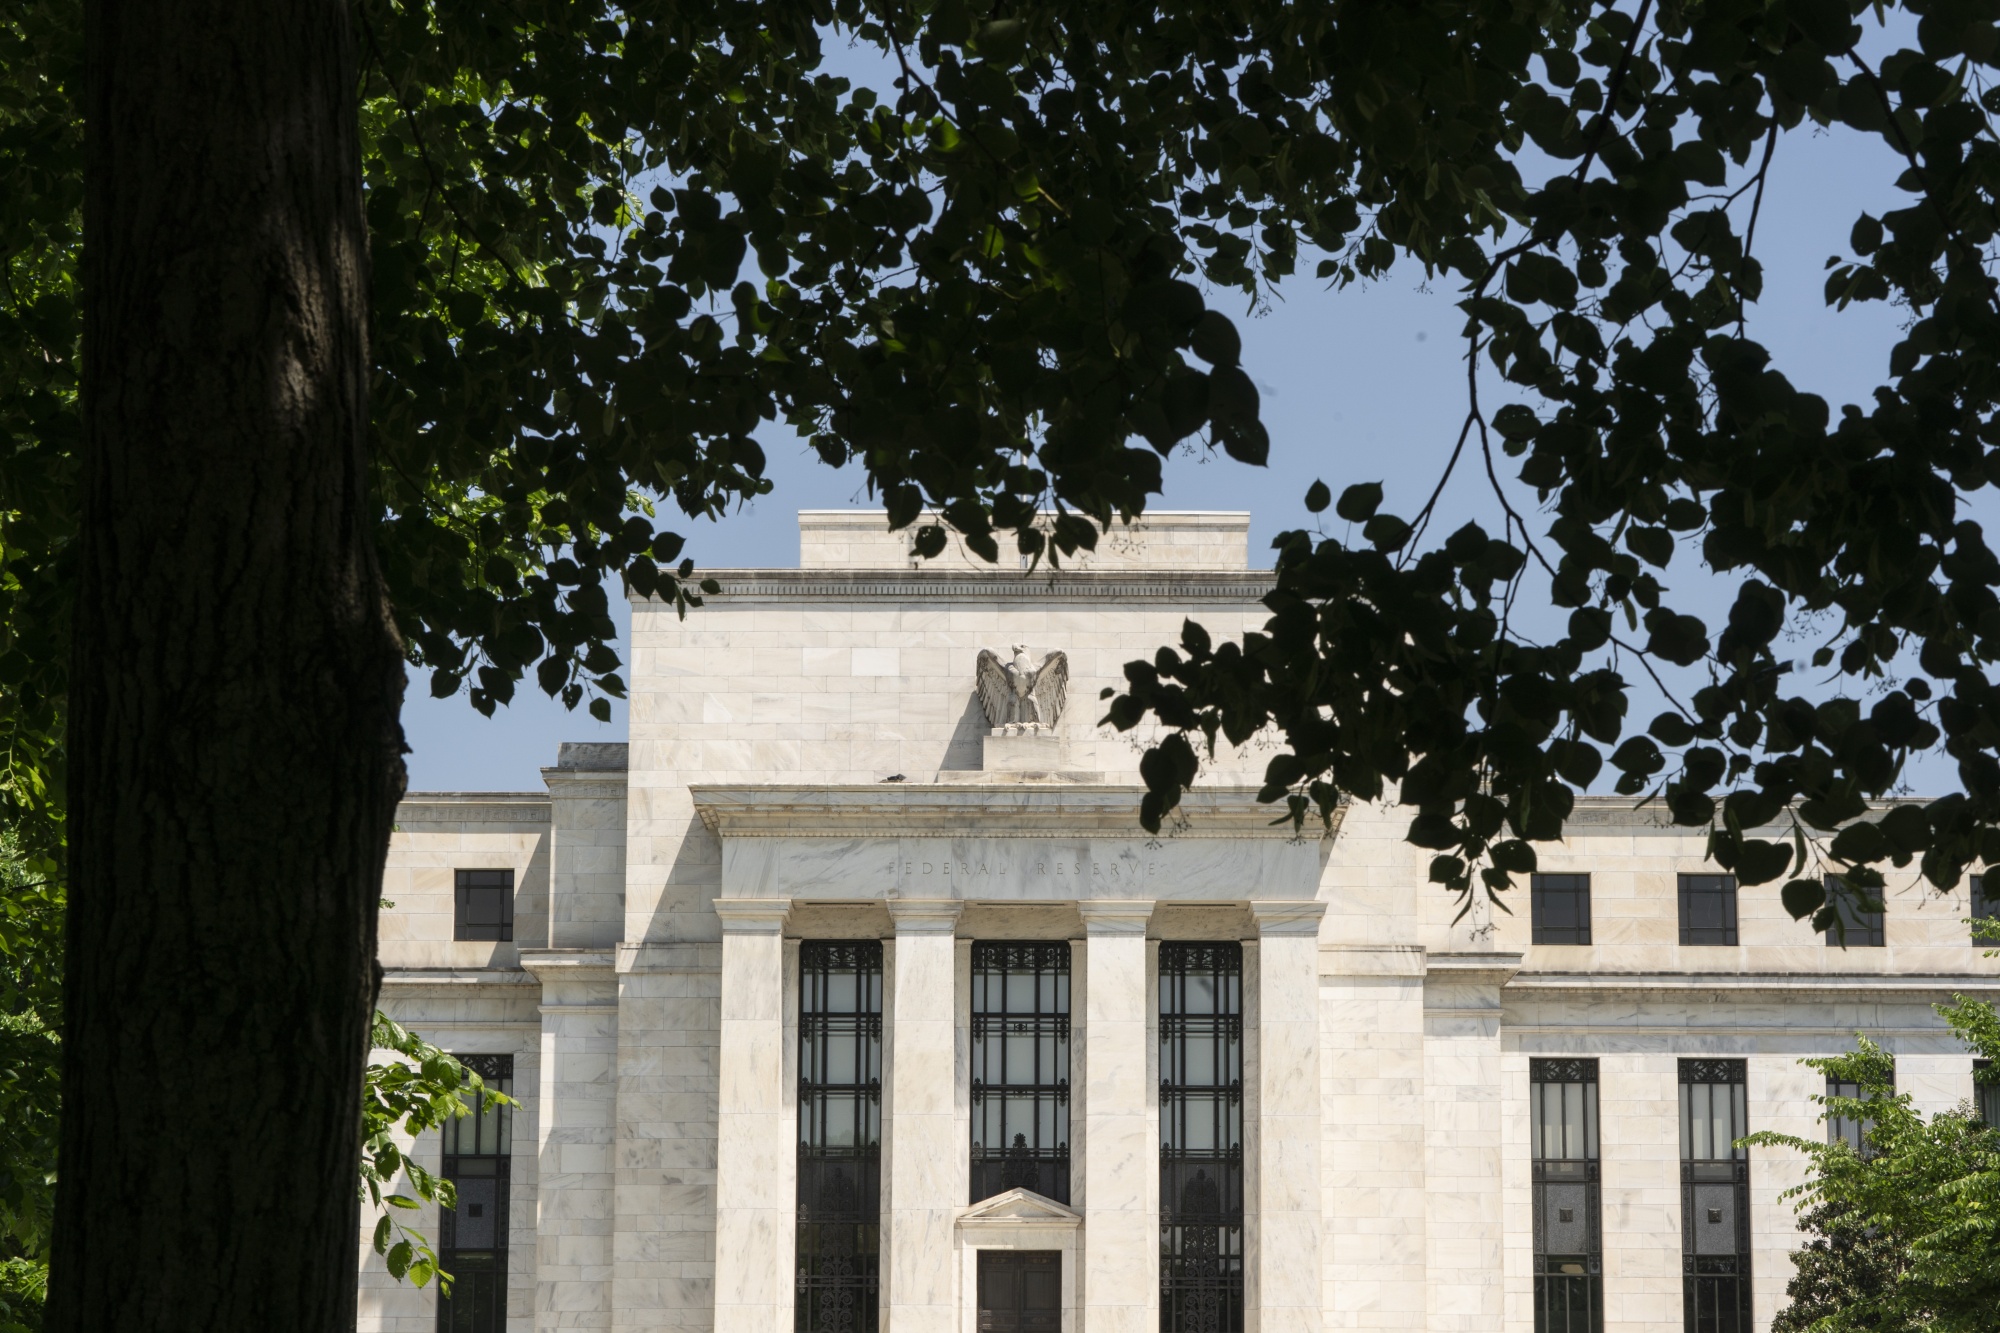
x=234, y=750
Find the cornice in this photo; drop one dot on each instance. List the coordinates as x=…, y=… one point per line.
x=955, y=810
x=1176, y=585
x=463, y=807
x=1527, y=984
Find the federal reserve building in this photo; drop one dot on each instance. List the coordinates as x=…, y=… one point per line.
x=851, y=997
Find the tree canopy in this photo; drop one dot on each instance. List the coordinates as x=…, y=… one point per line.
x=611, y=242
x=1902, y=1235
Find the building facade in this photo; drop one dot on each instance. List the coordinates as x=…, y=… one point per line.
x=851, y=996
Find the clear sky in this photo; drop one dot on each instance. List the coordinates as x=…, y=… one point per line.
x=1362, y=384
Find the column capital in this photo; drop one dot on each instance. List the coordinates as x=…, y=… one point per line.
x=1116, y=918
x=752, y=916
x=1287, y=918
x=924, y=916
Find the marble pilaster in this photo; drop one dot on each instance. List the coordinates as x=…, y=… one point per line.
x=1120, y=1138
x=1283, y=1242
x=575, y=1128
x=755, y=1156
x=926, y=1181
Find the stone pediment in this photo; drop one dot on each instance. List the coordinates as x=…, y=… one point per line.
x=1017, y=1207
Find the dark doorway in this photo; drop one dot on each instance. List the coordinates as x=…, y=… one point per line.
x=1020, y=1291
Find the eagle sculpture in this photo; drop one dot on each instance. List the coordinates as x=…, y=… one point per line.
x=1020, y=696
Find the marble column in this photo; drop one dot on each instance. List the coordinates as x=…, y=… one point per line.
x=925, y=1144
x=576, y=1123
x=755, y=1157
x=1282, y=1251
x=1120, y=1135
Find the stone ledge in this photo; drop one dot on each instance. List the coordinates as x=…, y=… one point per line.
x=811, y=585
x=984, y=810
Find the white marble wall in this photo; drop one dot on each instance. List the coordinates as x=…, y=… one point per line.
x=925, y=1183
x=1119, y=1137
x=1372, y=1124
x=576, y=1122
x=669, y=1056
x=755, y=1184
x=1284, y=1258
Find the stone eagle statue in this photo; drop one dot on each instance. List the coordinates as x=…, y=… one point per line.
x=1019, y=696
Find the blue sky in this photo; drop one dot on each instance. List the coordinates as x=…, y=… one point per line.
x=1362, y=384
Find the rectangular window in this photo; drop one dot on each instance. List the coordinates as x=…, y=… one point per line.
x=1840, y=1129
x=1983, y=909
x=1985, y=1093
x=1569, y=1248
x=840, y=1137
x=1201, y=1138
x=1856, y=927
x=485, y=905
x=1715, y=1197
x=1020, y=1069
x=1560, y=905
x=1708, y=909
x=472, y=1239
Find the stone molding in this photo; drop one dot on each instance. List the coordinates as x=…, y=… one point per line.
x=752, y=916
x=473, y=807
x=1928, y=985
x=924, y=916
x=1018, y=1208
x=1010, y=810
x=1286, y=918
x=1115, y=917
x=794, y=586
x=568, y=964
x=569, y=784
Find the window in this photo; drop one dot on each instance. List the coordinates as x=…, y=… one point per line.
x=1855, y=926
x=1569, y=1249
x=485, y=907
x=1854, y=1133
x=1560, y=905
x=1708, y=909
x=1020, y=1069
x=1201, y=1138
x=1986, y=1091
x=1983, y=909
x=1715, y=1198
x=840, y=1136
x=472, y=1240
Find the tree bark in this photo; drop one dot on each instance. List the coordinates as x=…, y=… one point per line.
x=234, y=747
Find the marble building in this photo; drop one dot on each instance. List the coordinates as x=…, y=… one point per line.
x=851, y=996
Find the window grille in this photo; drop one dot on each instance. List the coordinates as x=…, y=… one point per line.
x=1715, y=1197
x=1201, y=1138
x=1854, y=926
x=1854, y=1133
x=840, y=1137
x=1708, y=909
x=472, y=1239
x=1985, y=1094
x=1569, y=1246
x=484, y=906
x=1020, y=1069
x=1560, y=906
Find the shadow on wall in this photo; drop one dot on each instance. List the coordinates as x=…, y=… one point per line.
x=966, y=750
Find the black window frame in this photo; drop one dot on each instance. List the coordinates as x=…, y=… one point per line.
x=837, y=1287
x=1696, y=891
x=1201, y=1103
x=467, y=882
x=1554, y=897
x=1983, y=909
x=1715, y=1286
x=1854, y=1133
x=1855, y=927
x=478, y=1160
x=1008, y=1029
x=1569, y=1279
x=1985, y=1094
